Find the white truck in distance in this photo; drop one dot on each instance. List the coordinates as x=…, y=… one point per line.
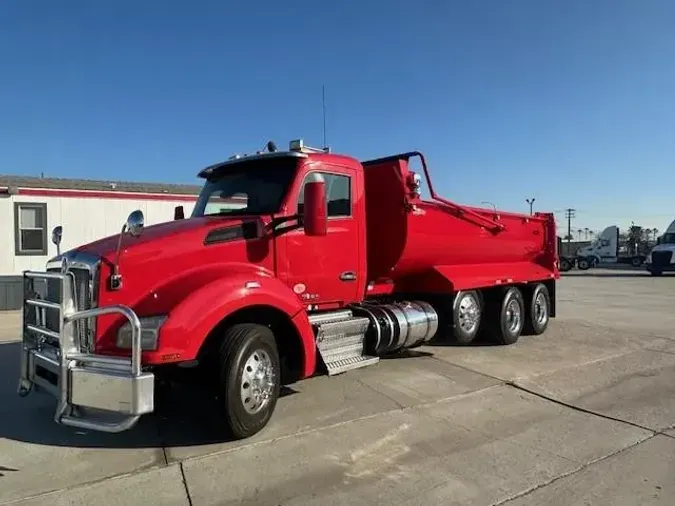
x=605, y=250
x=662, y=258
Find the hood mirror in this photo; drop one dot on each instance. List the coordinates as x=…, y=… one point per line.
x=57, y=234
x=658, y=240
x=135, y=223
x=134, y=226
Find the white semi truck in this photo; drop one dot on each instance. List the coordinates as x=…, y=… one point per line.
x=662, y=257
x=605, y=250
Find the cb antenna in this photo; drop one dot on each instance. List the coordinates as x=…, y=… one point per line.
x=323, y=103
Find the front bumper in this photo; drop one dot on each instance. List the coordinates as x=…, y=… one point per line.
x=651, y=267
x=94, y=392
x=660, y=261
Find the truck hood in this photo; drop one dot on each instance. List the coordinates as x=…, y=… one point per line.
x=663, y=247
x=191, y=230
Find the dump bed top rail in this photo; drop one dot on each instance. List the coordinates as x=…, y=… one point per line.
x=461, y=211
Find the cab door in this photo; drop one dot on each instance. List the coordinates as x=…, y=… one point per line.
x=326, y=270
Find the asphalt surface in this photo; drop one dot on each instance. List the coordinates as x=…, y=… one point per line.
x=584, y=414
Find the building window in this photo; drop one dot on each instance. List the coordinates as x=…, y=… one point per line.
x=338, y=193
x=30, y=225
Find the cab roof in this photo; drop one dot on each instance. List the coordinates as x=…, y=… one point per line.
x=297, y=150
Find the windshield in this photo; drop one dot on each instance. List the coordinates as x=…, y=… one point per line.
x=256, y=187
x=668, y=238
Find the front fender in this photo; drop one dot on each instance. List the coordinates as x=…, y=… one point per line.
x=191, y=321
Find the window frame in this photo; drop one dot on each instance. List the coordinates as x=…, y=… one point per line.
x=328, y=173
x=42, y=209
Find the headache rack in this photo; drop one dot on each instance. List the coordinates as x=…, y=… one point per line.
x=94, y=392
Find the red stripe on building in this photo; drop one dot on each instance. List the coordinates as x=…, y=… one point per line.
x=87, y=194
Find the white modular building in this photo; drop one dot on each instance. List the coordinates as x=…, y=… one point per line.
x=30, y=207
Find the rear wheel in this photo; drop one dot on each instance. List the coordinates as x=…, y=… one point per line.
x=249, y=379
x=539, y=311
x=565, y=265
x=467, y=313
x=507, y=317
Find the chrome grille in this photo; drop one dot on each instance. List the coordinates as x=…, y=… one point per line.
x=85, y=276
x=661, y=258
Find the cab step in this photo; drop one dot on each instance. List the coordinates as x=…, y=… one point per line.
x=341, y=344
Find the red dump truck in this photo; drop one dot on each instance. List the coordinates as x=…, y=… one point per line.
x=292, y=263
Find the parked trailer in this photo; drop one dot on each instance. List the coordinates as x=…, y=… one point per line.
x=330, y=265
x=565, y=262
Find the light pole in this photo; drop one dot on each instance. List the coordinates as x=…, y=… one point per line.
x=530, y=201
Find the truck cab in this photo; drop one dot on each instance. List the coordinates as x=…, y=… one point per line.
x=662, y=256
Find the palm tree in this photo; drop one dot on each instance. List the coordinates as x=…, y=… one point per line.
x=586, y=231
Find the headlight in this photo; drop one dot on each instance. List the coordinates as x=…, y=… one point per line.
x=150, y=326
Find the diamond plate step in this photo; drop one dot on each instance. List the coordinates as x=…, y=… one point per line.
x=347, y=364
x=341, y=345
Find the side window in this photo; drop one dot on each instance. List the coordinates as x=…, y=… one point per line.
x=30, y=228
x=338, y=193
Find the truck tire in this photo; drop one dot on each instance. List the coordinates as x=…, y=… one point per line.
x=538, y=314
x=507, y=317
x=655, y=273
x=583, y=264
x=636, y=261
x=249, y=379
x=466, y=316
x=565, y=265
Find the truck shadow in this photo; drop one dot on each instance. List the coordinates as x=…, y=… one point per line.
x=183, y=417
x=447, y=341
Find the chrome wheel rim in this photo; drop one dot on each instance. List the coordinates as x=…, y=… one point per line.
x=257, y=381
x=513, y=316
x=540, y=308
x=468, y=313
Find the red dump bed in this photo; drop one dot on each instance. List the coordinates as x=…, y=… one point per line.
x=436, y=245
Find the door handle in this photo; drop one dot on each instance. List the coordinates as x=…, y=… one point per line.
x=348, y=276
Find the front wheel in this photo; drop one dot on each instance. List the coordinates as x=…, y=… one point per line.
x=583, y=264
x=249, y=378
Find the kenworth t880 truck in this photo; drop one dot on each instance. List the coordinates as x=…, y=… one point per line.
x=325, y=265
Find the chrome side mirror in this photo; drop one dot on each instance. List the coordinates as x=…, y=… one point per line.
x=135, y=223
x=57, y=234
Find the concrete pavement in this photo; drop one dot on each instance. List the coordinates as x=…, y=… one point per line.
x=584, y=414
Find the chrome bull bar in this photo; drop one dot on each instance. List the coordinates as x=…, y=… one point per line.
x=94, y=392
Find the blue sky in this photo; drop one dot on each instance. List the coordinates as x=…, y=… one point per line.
x=572, y=102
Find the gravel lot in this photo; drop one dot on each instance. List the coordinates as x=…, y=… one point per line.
x=584, y=414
